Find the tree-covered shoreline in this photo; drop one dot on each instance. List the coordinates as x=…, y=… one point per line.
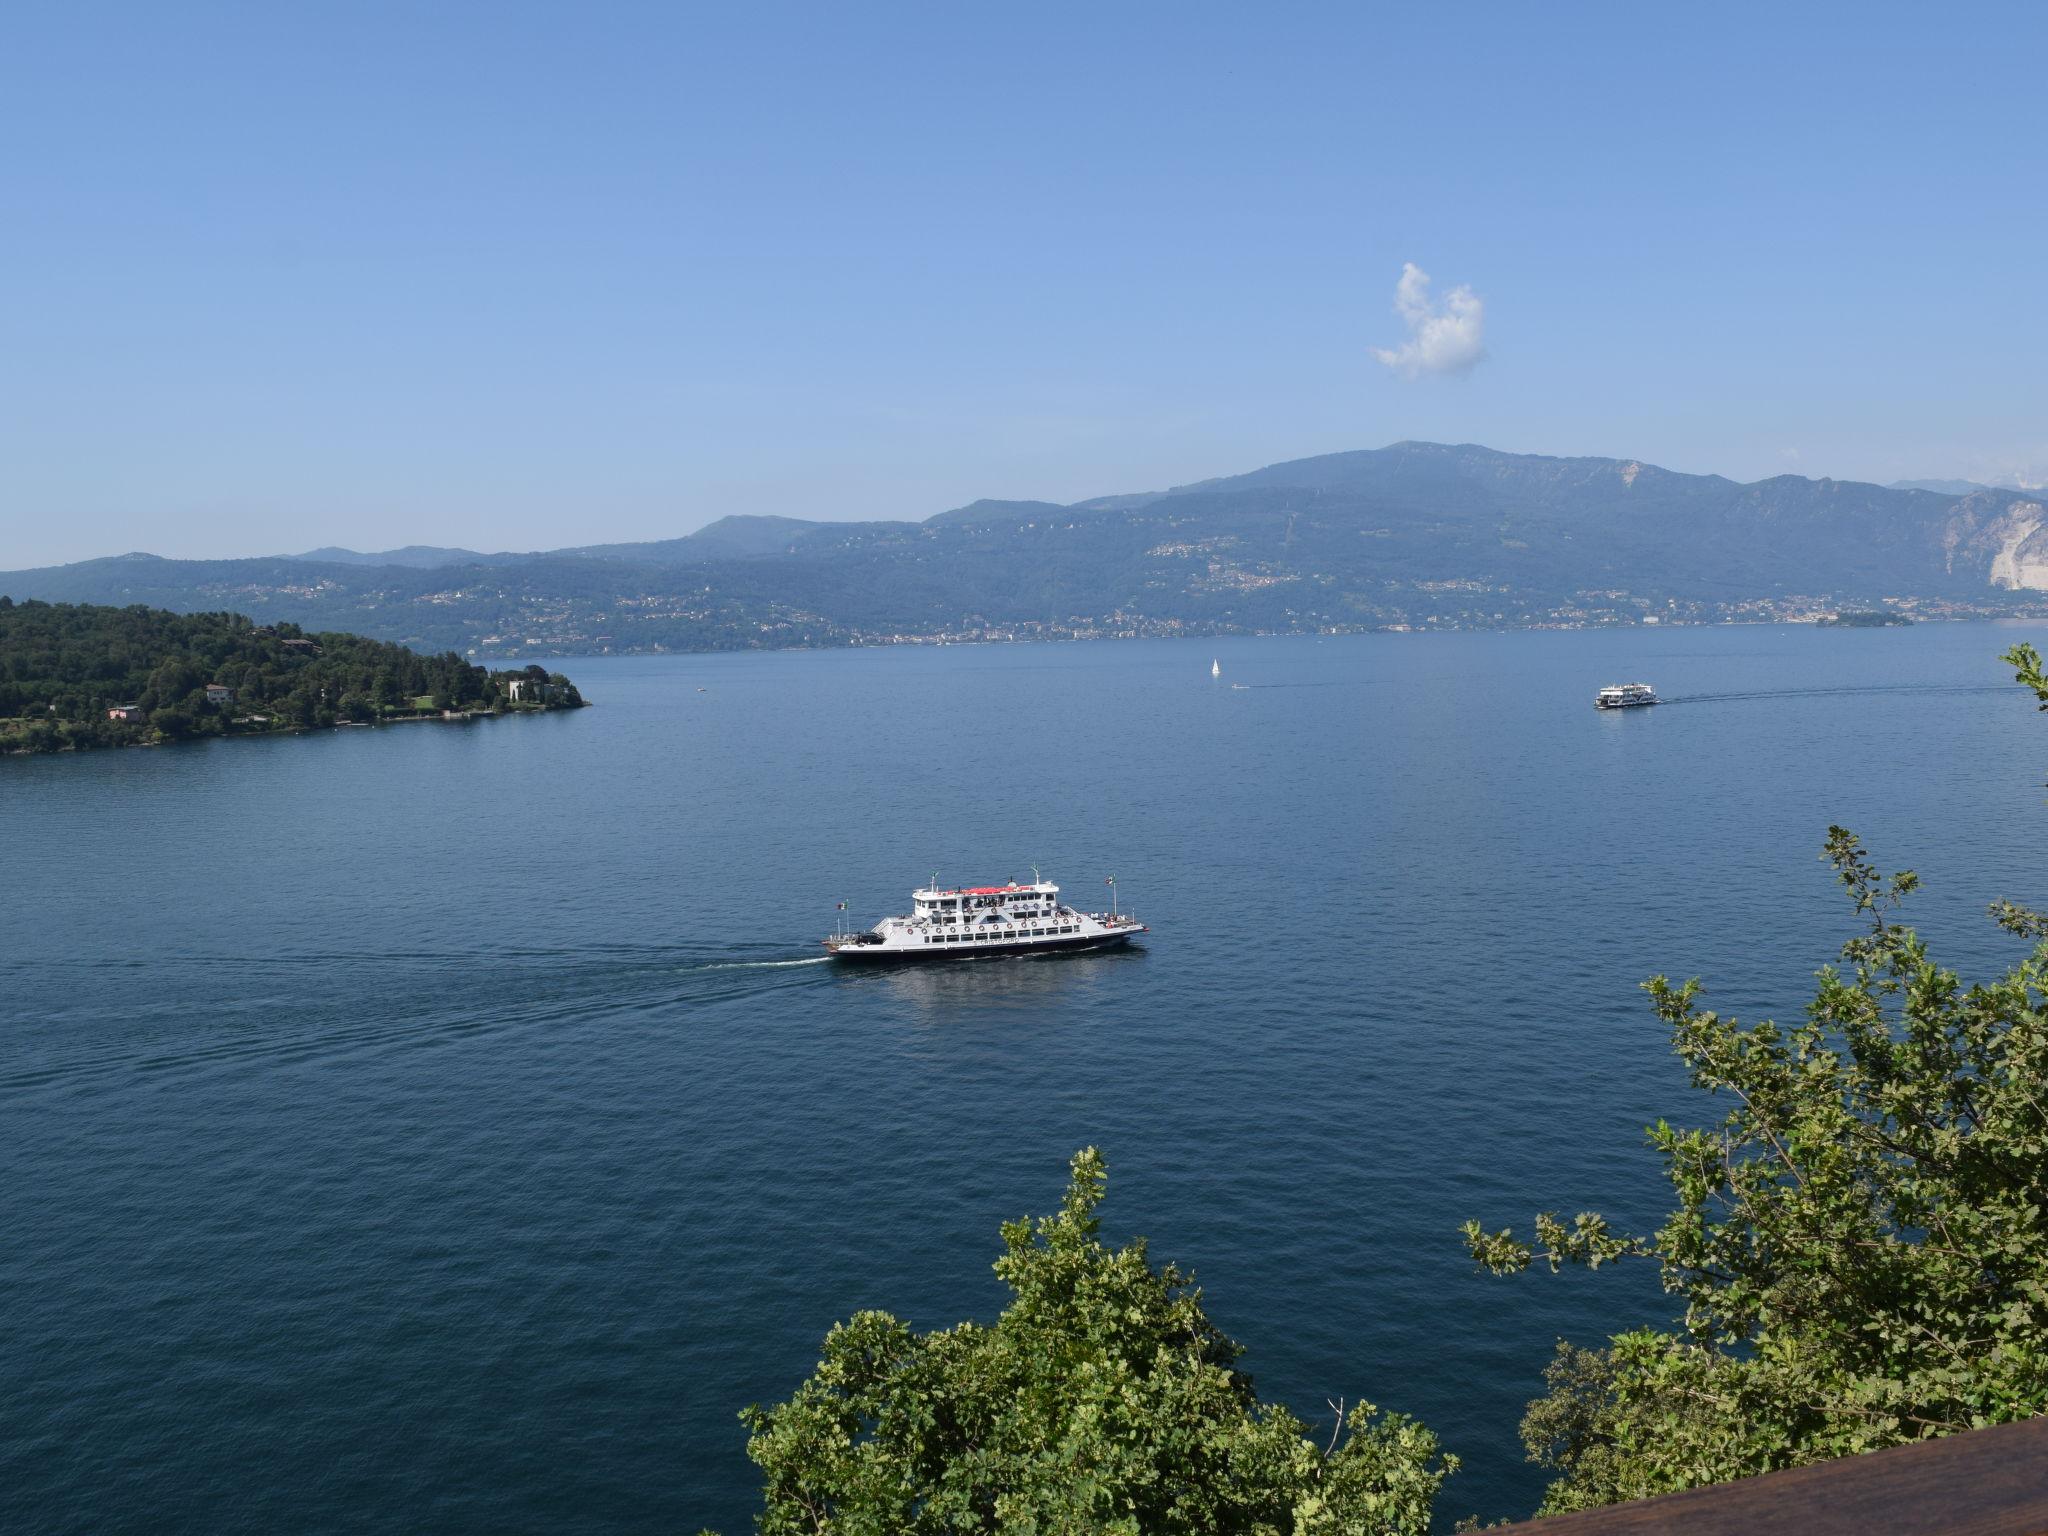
x=76, y=676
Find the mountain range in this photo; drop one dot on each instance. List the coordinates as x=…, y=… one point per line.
x=1412, y=535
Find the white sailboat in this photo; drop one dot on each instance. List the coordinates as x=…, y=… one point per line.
x=1215, y=668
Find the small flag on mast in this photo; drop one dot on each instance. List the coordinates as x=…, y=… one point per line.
x=842, y=906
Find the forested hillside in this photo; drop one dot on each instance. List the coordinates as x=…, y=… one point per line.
x=1416, y=535
x=75, y=676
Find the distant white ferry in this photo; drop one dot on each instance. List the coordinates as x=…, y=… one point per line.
x=1625, y=696
x=1008, y=919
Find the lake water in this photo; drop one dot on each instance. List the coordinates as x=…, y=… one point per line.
x=449, y=1127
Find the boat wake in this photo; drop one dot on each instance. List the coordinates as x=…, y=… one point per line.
x=1333, y=683
x=760, y=965
x=108, y=1034
x=1841, y=692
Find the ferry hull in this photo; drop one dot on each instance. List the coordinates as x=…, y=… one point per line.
x=886, y=954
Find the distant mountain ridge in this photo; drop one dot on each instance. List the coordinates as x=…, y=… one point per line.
x=1411, y=535
x=1940, y=487
x=1965, y=487
x=418, y=556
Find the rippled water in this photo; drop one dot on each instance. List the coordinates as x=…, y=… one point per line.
x=451, y=1126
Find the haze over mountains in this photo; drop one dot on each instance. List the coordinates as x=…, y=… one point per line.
x=1962, y=487
x=1416, y=534
x=424, y=557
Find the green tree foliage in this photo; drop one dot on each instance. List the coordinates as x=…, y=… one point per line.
x=1102, y=1400
x=1860, y=1243
x=63, y=666
x=2026, y=664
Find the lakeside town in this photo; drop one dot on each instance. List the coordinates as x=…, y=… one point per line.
x=558, y=631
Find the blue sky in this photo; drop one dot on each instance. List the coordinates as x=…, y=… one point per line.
x=516, y=275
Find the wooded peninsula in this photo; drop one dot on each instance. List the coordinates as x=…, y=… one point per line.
x=75, y=676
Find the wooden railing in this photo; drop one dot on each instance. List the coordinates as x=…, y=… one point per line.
x=1989, y=1482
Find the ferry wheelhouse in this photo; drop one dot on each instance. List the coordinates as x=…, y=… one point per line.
x=1013, y=919
x=1625, y=696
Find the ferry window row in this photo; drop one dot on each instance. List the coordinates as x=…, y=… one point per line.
x=998, y=935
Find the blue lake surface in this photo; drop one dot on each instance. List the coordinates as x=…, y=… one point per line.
x=449, y=1126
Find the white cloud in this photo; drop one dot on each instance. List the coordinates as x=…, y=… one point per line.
x=1443, y=338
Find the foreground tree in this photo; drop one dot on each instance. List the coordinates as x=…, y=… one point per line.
x=1102, y=1400
x=1860, y=1244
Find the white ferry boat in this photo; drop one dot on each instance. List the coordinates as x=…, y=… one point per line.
x=1625, y=696
x=1013, y=919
